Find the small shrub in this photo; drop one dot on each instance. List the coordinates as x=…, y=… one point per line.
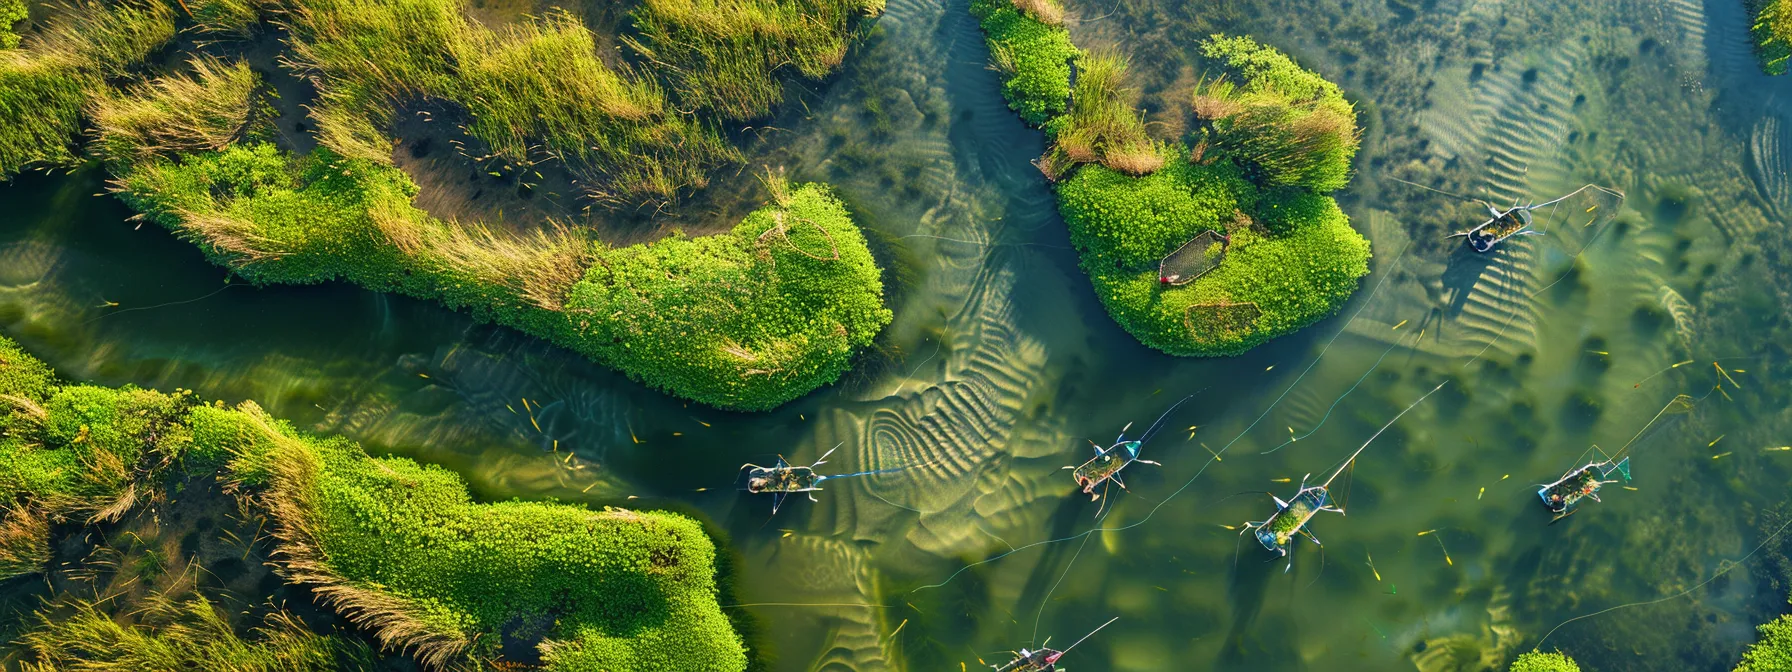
x=1773, y=653
x=11, y=13
x=1033, y=56
x=1773, y=34
x=1543, y=662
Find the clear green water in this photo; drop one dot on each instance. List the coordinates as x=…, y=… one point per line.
x=1001, y=365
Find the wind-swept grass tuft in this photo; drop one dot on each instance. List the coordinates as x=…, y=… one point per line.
x=202, y=111
x=1102, y=125
x=11, y=13
x=47, y=81
x=726, y=55
x=535, y=92
x=172, y=633
x=1285, y=125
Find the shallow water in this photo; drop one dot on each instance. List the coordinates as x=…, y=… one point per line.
x=1001, y=366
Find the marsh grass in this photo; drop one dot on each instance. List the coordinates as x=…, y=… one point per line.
x=205, y=110
x=1048, y=12
x=1033, y=56
x=12, y=13
x=179, y=629
x=727, y=55
x=1286, y=125
x=534, y=92
x=401, y=549
x=1102, y=125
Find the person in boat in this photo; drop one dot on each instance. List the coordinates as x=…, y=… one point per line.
x=781, y=479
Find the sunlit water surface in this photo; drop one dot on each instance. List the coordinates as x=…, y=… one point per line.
x=1001, y=366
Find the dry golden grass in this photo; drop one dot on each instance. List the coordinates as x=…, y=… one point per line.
x=1048, y=12
x=541, y=266
x=228, y=234
x=202, y=111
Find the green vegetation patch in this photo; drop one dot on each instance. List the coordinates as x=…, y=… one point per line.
x=12, y=12
x=1773, y=34
x=400, y=548
x=1543, y=662
x=74, y=452
x=1285, y=124
x=1103, y=125
x=182, y=634
x=46, y=82
x=1285, y=253
x=747, y=320
x=1271, y=282
x=1773, y=653
x=1033, y=56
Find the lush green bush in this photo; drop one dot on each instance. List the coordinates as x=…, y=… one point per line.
x=725, y=55
x=45, y=84
x=181, y=634
x=747, y=320
x=1280, y=279
x=1103, y=125
x=1033, y=56
x=400, y=548
x=1543, y=662
x=11, y=13
x=1286, y=125
x=1773, y=653
x=1773, y=34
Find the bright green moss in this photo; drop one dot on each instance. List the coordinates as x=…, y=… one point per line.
x=1033, y=56
x=1543, y=662
x=1773, y=34
x=402, y=548
x=747, y=320
x=1773, y=653
x=1292, y=274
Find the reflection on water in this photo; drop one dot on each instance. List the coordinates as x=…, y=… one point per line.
x=1001, y=366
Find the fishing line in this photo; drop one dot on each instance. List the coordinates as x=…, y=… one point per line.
x=161, y=305
x=1440, y=191
x=1339, y=400
x=1216, y=454
x=1683, y=593
x=1048, y=594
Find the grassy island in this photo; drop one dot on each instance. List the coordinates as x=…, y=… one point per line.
x=1272, y=141
x=397, y=547
x=1772, y=32
x=746, y=320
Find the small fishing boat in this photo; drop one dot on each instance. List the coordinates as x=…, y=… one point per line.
x=1291, y=517
x=1581, y=483
x=783, y=478
x=1105, y=467
x=1045, y=659
x=1505, y=224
